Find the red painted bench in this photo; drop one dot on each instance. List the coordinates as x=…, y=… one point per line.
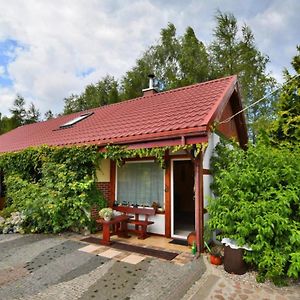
x=140, y=225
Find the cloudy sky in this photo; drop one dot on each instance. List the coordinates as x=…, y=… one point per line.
x=50, y=49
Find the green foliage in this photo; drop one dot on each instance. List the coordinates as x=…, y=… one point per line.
x=176, y=61
x=258, y=203
x=286, y=127
x=20, y=116
x=119, y=153
x=233, y=51
x=53, y=187
x=102, y=93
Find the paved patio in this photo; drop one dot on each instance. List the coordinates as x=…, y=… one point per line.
x=63, y=267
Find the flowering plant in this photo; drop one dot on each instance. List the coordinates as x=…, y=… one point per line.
x=106, y=213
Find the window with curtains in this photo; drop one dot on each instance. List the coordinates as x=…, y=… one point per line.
x=140, y=183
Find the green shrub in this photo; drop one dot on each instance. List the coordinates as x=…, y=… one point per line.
x=258, y=203
x=53, y=187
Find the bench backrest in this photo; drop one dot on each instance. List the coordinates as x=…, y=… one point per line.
x=150, y=211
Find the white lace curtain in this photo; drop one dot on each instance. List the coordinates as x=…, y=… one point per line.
x=140, y=183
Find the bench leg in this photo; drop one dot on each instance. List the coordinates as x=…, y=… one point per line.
x=143, y=235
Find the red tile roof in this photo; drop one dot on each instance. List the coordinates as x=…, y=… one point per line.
x=176, y=112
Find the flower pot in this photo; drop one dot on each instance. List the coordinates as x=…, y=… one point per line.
x=215, y=260
x=191, y=238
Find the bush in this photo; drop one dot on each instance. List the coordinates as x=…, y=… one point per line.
x=53, y=187
x=258, y=203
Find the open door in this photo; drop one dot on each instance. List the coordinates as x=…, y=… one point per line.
x=183, y=204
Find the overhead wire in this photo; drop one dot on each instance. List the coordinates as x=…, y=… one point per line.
x=259, y=100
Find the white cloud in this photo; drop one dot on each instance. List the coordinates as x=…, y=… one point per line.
x=62, y=39
x=2, y=70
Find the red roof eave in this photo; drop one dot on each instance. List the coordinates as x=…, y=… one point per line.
x=218, y=107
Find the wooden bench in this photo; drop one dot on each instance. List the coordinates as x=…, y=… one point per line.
x=140, y=225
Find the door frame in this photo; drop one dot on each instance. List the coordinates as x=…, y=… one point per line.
x=176, y=236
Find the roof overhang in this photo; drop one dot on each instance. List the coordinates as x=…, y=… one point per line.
x=182, y=137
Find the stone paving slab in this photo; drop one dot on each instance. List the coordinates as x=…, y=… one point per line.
x=45, y=272
x=17, y=252
x=51, y=254
x=119, y=282
x=8, y=247
x=133, y=259
x=73, y=289
x=93, y=263
x=165, y=280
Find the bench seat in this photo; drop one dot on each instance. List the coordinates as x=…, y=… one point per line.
x=140, y=222
x=140, y=225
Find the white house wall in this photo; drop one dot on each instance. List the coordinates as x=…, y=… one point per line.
x=159, y=224
x=213, y=140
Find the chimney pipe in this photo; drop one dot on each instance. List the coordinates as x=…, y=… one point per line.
x=151, y=89
x=151, y=78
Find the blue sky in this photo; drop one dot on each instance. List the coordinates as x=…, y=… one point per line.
x=51, y=49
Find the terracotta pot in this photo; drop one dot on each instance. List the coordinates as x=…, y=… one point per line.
x=215, y=260
x=191, y=238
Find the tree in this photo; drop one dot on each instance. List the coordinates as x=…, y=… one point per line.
x=73, y=104
x=48, y=115
x=175, y=61
x=32, y=114
x=166, y=56
x=102, y=93
x=224, y=50
x=18, y=111
x=230, y=55
x=193, y=60
x=136, y=79
x=286, y=127
x=183, y=60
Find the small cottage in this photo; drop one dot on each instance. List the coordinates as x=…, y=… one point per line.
x=189, y=115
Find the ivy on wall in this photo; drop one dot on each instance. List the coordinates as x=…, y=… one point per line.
x=119, y=153
x=55, y=186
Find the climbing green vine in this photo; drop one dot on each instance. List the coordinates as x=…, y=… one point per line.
x=54, y=187
x=119, y=153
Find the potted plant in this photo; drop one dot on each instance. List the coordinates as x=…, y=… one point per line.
x=106, y=213
x=215, y=255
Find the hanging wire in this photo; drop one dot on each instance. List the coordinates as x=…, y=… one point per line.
x=231, y=117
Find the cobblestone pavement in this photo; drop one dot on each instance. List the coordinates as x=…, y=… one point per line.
x=36, y=267
x=218, y=284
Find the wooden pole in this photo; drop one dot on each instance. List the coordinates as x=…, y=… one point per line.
x=199, y=221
